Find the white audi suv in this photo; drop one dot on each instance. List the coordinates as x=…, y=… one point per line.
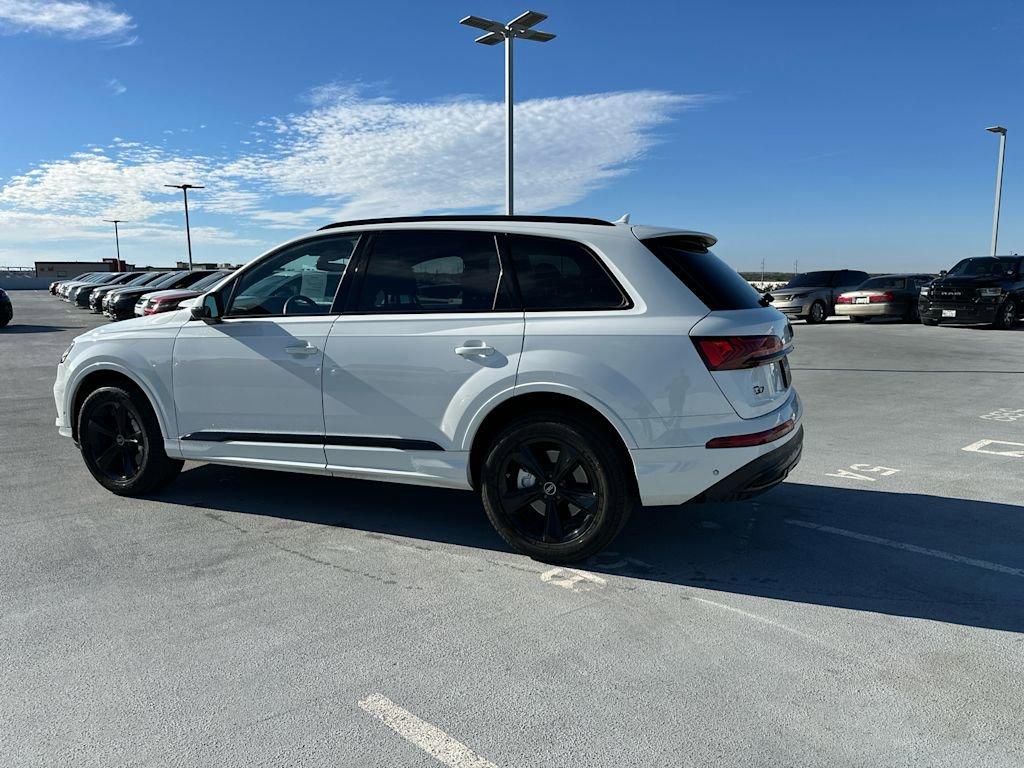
x=566, y=369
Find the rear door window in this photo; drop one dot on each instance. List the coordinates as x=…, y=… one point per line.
x=433, y=271
x=556, y=274
x=713, y=281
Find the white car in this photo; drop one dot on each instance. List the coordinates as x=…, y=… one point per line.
x=566, y=369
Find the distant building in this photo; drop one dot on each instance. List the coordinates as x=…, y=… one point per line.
x=55, y=270
x=204, y=265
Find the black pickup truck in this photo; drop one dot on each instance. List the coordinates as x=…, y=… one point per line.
x=979, y=290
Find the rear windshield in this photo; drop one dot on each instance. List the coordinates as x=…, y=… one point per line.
x=811, y=280
x=712, y=280
x=883, y=283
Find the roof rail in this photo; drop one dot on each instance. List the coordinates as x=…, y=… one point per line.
x=492, y=217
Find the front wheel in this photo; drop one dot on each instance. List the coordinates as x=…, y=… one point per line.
x=555, y=489
x=121, y=443
x=818, y=313
x=1006, y=319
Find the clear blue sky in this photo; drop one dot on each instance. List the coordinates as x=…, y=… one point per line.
x=836, y=133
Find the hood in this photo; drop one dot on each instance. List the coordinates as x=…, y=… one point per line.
x=158, y=323
x=794, y=291
x=172, y=293
x=968, y=281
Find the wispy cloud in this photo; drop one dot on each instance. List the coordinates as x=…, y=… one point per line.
x=348, y=156
x=74, y=19
x=368, y=157
x=116, y=86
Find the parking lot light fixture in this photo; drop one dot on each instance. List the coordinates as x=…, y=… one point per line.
x=999, y=184
x=496, y=32
x=188, y=235
x=117, y=239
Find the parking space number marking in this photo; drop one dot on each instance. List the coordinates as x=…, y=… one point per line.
x=863, y=472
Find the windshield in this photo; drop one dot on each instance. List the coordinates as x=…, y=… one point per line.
x=982, y=266
x=883, y=283
x=208, y=281
x=139, y=279
x=810, y=280
x=170, y=277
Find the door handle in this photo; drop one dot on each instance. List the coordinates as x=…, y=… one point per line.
x=302, y=349
x=474, y=348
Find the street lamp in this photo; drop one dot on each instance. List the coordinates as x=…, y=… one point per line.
x=497, y=32
x=999, y=183
x=188, y=235
x=117, y=239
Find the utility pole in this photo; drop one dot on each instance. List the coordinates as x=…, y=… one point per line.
x=117, y=239
x=497, y=32
x=188, y=234
x=999, y=184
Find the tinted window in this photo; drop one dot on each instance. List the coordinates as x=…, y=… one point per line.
x=884, y=283
x=811, y=280
x=209, y=281
x=712, y=280
x=985, y=266
x=562, y=274
x=300, y=280
x=432, y=271
x=186, y=279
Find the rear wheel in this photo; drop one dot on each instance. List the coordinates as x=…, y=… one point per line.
x=121, y=443
x=913, y=313
x=555, y=489
x=818, y=313
x=1006, y=318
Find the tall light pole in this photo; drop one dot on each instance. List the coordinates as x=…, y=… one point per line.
x=117, y=239
x=999, y=183
x=497, y=32
x=188, y=234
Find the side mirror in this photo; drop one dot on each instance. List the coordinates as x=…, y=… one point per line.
x=207, y=309
x=942, y=273
x=766, y=299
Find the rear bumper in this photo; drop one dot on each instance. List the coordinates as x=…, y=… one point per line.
x=760, y=475
x=966, y=312
x=887, y=309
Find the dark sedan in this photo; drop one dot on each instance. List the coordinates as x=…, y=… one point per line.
x=883, y=296
x=119, y=304
x=6, y=308
x=143, y=278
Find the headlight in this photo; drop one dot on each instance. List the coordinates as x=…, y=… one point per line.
x=67, y=352
x=798, y=296
x=990, y=292
x=924, y=291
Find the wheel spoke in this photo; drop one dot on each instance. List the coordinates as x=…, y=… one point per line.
x=552, y=523
x=525, y=457
x=104, y=459
x=95, y=426
x=516, y=500
x=585, y=500
x=568, y=460
x=119, y=417
x=128, y=461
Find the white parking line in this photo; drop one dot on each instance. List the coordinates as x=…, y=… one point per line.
x=427, y=737
x=573, y=579
x=911, y=548
x=988, y=446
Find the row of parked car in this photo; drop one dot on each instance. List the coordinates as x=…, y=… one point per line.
x=978, y=290
x=121, y=295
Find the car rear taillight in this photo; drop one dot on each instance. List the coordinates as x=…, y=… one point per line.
x=755, y=438
x=844, y=299
x=882, y=298
x=730, y=353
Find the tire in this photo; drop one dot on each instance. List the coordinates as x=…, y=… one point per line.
x=926, y=321
x=1006, y=317
x=121, y=443
x=818, y=313
x=5, y=317
x=536, y=512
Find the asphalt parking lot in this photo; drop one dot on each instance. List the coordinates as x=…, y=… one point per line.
x=869, y=611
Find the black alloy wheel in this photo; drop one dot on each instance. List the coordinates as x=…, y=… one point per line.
x=1007, y=317
x=546, y=492
x=555, y=489
x=114, y=440
x=121, y=442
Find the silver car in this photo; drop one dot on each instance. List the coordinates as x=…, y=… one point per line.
x=811, y=296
